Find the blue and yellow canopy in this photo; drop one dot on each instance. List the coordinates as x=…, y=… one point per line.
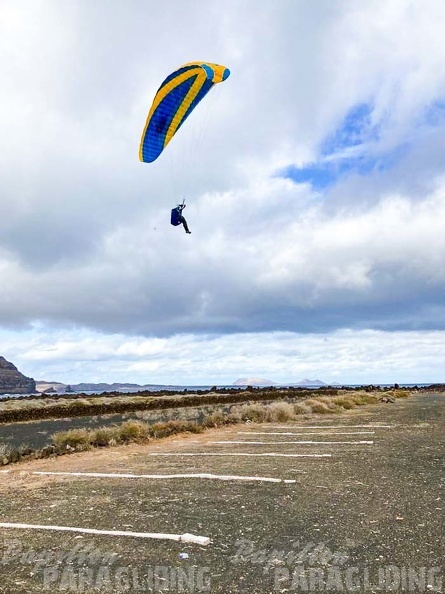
x=175, y=100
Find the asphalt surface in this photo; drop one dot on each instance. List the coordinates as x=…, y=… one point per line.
x=368, y=518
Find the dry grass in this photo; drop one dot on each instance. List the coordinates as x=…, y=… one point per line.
x=365, y=398
x=301, y=408
x=77, y=439
x=216, y=419
x=280, y=412
x=132, y=431
x=4, y=450
x=256, y=413
x=33, y=408
x=343, y=402
x=400, y=394
x=128, y=432
x=159, y=430
x=319, y=407
x=140, y=432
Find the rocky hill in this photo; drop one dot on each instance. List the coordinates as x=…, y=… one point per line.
x=259, y=382
x=50, y=387
x=253, y=381
x=309, y=382
x=14, y=382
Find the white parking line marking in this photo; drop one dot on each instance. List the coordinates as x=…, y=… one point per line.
x=294, y=442
x=332, y=426
x=272, y=454
x=221, y=477
x=314, y=433
x=192, y=538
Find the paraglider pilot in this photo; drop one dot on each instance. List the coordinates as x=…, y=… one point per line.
x=177, y=217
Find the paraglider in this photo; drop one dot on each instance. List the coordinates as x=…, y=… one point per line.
x=177, y=218
x=174, y=101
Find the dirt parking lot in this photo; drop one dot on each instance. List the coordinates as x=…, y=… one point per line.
x=363, y=509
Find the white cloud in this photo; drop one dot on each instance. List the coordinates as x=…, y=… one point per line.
x=85, y=239
x=343, y=357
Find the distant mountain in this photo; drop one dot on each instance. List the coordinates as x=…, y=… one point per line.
x=45, y=386
x=52, y=387
x=49, y=386
x=102, y=386
x=254, y=381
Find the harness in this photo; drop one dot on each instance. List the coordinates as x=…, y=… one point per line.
x=176, y=214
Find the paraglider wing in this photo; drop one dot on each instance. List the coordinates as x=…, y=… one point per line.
x=175, y=100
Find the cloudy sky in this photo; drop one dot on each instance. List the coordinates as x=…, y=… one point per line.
x=314, y=179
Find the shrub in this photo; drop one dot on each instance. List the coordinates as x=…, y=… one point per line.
x=400, y=394
x=329, y=403
x=300, y=408
x=234, y=416
x=77, y=403
x=318, y=407
x=216, y=419
x=345, y=402
x=132, y=431
x=103, y=436
x=4, y=449
x=77, y=439
x=5, y=453
x=253, y=412
x=363, y=398
x=280, y=411
x=159, y=430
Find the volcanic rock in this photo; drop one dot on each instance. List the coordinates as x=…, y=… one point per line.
x=14, y=382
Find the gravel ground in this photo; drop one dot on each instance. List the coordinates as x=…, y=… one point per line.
x=370, y=517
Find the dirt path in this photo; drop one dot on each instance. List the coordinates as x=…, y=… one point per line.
x=364, y=515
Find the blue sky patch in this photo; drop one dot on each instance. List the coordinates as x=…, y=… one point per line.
x=349, y=149
x=435, y=113
x=355, y=129
x=325, y=173
x=338, y=157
